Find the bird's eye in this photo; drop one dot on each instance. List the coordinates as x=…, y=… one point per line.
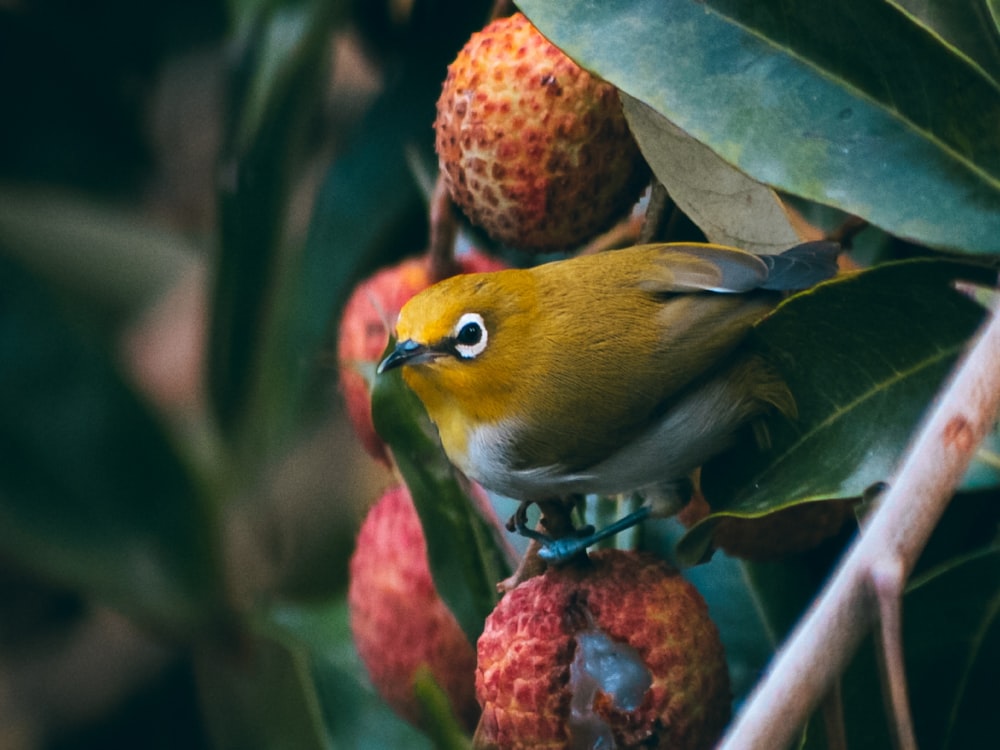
x=470, y=336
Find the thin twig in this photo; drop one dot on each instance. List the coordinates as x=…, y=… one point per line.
x=888, y=582
x=826, y=638
x=833, y=718
x=502, y=9
x=623, y=234
x=658, y=212
x=442, y=232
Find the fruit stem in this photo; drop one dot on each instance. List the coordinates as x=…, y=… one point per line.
x=658, y=212
x=501, y=9
x=443, y=228
x=623, y=234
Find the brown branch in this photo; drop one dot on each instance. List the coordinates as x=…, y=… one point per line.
x=833, y=719
x=844, y=234
x=502, y=9
x=623, y=234
x=442, y=232
x=658, y=213
x=826, y=638
x=888, y=583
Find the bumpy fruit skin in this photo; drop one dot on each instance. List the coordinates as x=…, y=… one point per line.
x=791, y=531
x=533, y=148
x=398, y=621
x=523, y=677
x=368, y=317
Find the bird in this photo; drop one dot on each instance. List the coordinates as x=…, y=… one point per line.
x=608, y=373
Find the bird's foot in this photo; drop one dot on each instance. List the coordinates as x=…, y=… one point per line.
x=557, y=550
x=519, y=523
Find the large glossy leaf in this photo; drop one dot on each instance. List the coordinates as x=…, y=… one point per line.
x=466, y=556
x=966, y=26
x=851, y=104
x=864, y=355
x=275, y=90
x=92, y=493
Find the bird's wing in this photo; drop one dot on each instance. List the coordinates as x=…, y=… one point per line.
x=802, y=266
x=680, y=267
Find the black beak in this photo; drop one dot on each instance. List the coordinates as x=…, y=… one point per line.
x=407, y=352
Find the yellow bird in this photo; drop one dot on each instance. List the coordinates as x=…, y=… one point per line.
x=606, y=373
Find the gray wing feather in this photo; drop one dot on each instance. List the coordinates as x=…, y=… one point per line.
x=801, y=266
x=714, y=268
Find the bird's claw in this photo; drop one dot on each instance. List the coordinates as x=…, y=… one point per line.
x=519, y=523
x=563, y=549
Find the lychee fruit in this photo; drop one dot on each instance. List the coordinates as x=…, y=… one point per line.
x=399, y=622
x=619, y=652
x=782, y=533
x=367, y=319
x=533, y=148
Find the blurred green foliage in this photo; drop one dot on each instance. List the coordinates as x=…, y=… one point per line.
x=152, y=438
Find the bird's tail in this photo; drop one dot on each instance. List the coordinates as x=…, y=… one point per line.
x=801, y=266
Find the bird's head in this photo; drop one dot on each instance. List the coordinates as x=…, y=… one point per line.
x=457, y=341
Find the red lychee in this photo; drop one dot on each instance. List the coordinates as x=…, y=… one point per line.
x=533, y=148
x=617, y=653
x=398, y=621
x=367, y=319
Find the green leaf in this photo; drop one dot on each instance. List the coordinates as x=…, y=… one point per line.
x=276, y=91
x=466, y=555
x=984, y=471
x=364, y=201
x=849, y=104
x=110, y=260
x=966, y=27
x=951, y=631
x=353, y=713
x=260, y=695
x=864, y=355
x=92, y=493
x=438, y=716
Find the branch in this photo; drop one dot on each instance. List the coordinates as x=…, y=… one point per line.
x=824, y=641
x=442, y=232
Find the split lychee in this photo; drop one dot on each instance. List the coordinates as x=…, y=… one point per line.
x=619, y=652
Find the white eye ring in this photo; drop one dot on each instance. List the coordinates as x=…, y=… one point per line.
x=470, y=336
